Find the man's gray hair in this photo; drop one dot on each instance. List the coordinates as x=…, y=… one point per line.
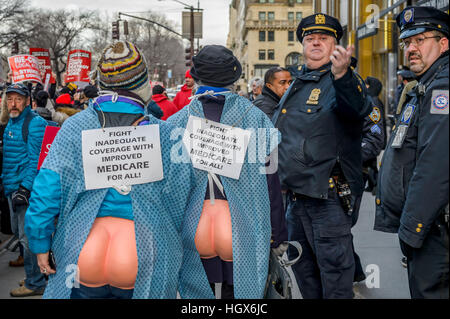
x=437, y=33
x=258, y=81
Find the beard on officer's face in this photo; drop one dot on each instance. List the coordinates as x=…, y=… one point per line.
x=416, y=63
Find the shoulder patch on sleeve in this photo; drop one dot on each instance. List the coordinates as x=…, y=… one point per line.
x=439, y=102
x=375, y=129
x=375, y=116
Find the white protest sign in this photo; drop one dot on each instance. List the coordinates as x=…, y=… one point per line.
x=121, y=156
x=215, y=147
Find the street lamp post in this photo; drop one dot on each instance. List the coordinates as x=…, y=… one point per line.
x=148, y=20
x=191, y=8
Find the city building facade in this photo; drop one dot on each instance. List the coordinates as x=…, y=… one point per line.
x=263, y=35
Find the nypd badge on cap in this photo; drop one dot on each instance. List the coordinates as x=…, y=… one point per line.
x=319, y=23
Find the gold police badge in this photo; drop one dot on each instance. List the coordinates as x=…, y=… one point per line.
x=375, y=116
x=314, y=97
x=320, y=19
x=408, y=15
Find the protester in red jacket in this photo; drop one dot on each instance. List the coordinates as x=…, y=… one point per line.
x=160, y=97
x=182, y=97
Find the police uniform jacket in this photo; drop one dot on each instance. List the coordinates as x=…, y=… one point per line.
x=414, y=175
x=320, y=120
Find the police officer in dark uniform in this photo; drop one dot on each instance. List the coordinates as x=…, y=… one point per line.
x=374, y=134
x=413, y=192
x=320, y=118
x=373, y=142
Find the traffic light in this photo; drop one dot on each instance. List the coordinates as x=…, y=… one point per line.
x=115, y=30
x=188, y=57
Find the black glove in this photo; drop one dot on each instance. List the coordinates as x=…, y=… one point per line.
x=20, y=197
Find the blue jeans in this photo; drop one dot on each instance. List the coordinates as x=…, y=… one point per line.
x=34, y=279
x=326, y=268
x=104, y=292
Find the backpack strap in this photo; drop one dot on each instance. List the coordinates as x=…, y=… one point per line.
x=26, y=124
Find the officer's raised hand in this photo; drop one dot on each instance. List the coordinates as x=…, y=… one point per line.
x=341, y=59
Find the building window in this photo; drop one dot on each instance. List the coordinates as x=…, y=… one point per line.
x=271, y=1
x=262, y=1
x=262, y=36
x=271, y=15
x=294, y=59
x=270, y=35
x=262, y=54
x=299, y=1
x=262, y=16
x=299, y=15
x=270, y=54
x=290, y=16
x=261, y=69
x=291, y=36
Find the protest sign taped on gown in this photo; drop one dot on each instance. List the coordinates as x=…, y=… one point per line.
x=121, y=156
x=216, y=148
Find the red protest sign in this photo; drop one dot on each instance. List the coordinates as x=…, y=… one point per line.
x=43, y=55
x=78, y=66
x=49, y=136
x=24, y=68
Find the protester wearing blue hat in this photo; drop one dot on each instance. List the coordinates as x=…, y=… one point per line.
x=413, y=193
x=18, y=88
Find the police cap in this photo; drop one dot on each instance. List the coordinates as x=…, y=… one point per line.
x=407, y=74
x=319, y=23
x=415, y=20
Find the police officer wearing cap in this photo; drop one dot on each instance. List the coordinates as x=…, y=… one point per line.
x=320, y=118
x=413, y=181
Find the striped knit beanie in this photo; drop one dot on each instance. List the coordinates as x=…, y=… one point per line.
x=122, y=67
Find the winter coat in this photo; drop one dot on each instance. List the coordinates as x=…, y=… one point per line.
x=165, y=105
x=413, y=182
x=44, y=112
x=182, y=97
x=20, y=159
x=321, y=120
x=267, y=101
x=63, y=112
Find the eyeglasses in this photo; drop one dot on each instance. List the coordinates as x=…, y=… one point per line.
x=404, y=44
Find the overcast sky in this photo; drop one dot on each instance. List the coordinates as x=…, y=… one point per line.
x=215, y=14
